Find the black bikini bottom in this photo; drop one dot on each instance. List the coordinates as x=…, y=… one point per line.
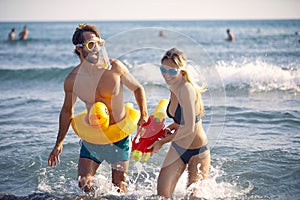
x=186, y=154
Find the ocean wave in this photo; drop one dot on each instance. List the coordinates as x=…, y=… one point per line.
x=37, y=196
x=258, y=76
x=287, y=118
x=34, y=74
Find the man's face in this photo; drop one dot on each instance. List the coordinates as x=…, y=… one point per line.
x=92, y=56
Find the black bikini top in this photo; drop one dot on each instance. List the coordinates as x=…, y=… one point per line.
x=177, y=118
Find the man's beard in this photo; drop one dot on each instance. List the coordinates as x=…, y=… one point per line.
x=92, y=58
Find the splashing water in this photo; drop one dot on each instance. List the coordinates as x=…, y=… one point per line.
x=258, y=76
x=142, y=183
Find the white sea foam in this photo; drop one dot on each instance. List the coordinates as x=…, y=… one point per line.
x=258, y=76
x=142, y=183
x=255, y=76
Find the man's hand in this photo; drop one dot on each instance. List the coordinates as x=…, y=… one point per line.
x=54, y=156
x=142, y=121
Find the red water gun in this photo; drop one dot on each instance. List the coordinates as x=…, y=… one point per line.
x=149, y=132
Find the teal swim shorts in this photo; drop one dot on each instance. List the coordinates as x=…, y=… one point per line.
x=112, y=153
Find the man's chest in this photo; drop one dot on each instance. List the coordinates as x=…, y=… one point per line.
x=97, y=89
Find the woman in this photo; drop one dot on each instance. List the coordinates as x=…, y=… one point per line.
x=189, y=142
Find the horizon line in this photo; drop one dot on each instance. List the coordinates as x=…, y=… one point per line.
x=141, y=20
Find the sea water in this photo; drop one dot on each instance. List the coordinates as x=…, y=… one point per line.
x=252, y=106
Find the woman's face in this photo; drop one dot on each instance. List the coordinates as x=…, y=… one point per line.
x=170, y=71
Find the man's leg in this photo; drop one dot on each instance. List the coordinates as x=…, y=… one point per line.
x=119, y=174
x=86, y=170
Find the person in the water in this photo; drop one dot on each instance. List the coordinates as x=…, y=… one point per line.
x=189, y=143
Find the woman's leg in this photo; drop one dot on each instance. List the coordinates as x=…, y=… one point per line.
x=202, y=160
x=172, y=169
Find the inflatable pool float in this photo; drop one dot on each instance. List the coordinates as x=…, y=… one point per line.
x=95, y=128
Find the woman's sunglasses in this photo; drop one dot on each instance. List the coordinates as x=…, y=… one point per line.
x=171, y=72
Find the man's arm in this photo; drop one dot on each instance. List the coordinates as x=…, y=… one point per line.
x=65, y=118
x=131, y=83
x=140, y=97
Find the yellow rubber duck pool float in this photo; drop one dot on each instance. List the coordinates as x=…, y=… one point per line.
x=95, y=128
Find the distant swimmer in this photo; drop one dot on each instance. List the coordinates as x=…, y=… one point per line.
x=230, y=36
x=161, y=34
x=259, y=30
x=24, y=34
x=12, y=34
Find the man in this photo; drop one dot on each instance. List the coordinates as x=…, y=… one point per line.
x=91, y=83
x=230, y=36
x=24, y=34
x=12, y=34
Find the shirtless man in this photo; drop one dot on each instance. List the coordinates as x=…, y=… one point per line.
x=230, y=36
x=24, y=34
x=92, y=84
x=12, y=34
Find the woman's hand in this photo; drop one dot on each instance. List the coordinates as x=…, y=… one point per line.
x=173, y=127
x=156, y=146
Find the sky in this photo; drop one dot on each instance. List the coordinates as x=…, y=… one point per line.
x=103, y=10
